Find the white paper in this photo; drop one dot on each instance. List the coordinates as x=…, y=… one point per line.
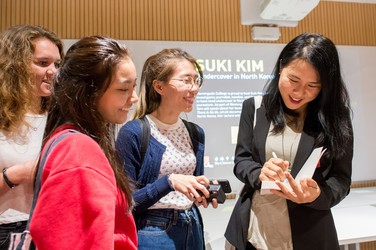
x=305, y=172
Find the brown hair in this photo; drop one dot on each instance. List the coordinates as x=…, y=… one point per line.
x=159, y=67
x=16, y=76
x=84, y=76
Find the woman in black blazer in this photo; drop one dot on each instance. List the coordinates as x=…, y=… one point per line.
x=305, y=106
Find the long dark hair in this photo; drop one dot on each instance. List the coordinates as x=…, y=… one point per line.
x=83, y=78
x=328, y=116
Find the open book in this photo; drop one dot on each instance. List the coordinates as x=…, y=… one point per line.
x=305, y=172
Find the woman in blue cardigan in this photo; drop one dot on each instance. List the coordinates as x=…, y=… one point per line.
x=169, y=174
x=306, y=106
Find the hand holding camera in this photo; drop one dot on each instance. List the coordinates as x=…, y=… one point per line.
x=218, y=190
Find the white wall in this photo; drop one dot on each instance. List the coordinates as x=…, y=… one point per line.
x=255, y=61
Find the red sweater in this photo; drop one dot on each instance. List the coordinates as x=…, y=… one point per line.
x=79, y=205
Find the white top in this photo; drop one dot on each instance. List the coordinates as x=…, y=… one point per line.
x=178, y=158
x=17, y=151
x=269, y=226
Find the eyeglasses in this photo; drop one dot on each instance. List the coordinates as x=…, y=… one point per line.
x=190, y=81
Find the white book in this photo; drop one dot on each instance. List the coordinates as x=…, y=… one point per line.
x=305, y=172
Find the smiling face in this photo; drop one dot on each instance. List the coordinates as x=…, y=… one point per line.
x=45, y=62
x=176, y=95
x=299, y=84
x=119, y=97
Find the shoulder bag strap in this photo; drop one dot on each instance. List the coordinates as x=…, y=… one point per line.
x=145, y=136
x=38, y=180
x=194, y=133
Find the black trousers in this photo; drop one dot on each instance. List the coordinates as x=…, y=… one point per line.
x=6, y=229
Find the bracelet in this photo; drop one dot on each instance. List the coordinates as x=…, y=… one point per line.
x=7, y=181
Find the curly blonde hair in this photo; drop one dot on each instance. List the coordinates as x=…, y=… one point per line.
x=16, y=75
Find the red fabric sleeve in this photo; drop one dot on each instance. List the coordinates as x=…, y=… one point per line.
x=79, y=199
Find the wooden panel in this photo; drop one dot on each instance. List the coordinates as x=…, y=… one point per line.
x=345, y=23
x=368, y=245
x=360, y=184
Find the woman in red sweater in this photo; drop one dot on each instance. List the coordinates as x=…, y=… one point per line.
x=85, y=199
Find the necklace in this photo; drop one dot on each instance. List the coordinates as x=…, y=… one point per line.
x=36, y=121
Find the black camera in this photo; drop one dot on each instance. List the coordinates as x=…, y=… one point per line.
x=218, y=191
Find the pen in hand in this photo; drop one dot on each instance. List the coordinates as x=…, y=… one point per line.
x=275, y=156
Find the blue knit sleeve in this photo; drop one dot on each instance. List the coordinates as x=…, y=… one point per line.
x=148, y=189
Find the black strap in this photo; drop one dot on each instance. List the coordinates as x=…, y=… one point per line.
x=194, y=134
x=192, y=128
x=145, y=129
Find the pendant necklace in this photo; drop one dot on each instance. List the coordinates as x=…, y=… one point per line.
x=36, y=123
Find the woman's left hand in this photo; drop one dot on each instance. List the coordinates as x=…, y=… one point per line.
x=304, y=192
x=205, y=203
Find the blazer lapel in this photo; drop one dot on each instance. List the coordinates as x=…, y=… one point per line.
x=262, y=128
x=304, y=150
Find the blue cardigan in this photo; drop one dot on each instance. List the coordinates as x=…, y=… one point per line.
x=148, y=188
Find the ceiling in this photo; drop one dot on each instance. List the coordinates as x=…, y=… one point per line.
x=352, y=1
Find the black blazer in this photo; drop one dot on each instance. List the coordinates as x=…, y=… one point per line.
x=312, y=224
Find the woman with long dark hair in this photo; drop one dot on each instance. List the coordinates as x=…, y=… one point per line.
x=305, y=106
x=85, y=201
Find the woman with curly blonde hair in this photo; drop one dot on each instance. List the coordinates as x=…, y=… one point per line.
x=29, y=58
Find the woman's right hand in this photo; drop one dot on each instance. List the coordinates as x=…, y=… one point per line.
x=189, y=185
x=20, y=173
x=274, y=170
